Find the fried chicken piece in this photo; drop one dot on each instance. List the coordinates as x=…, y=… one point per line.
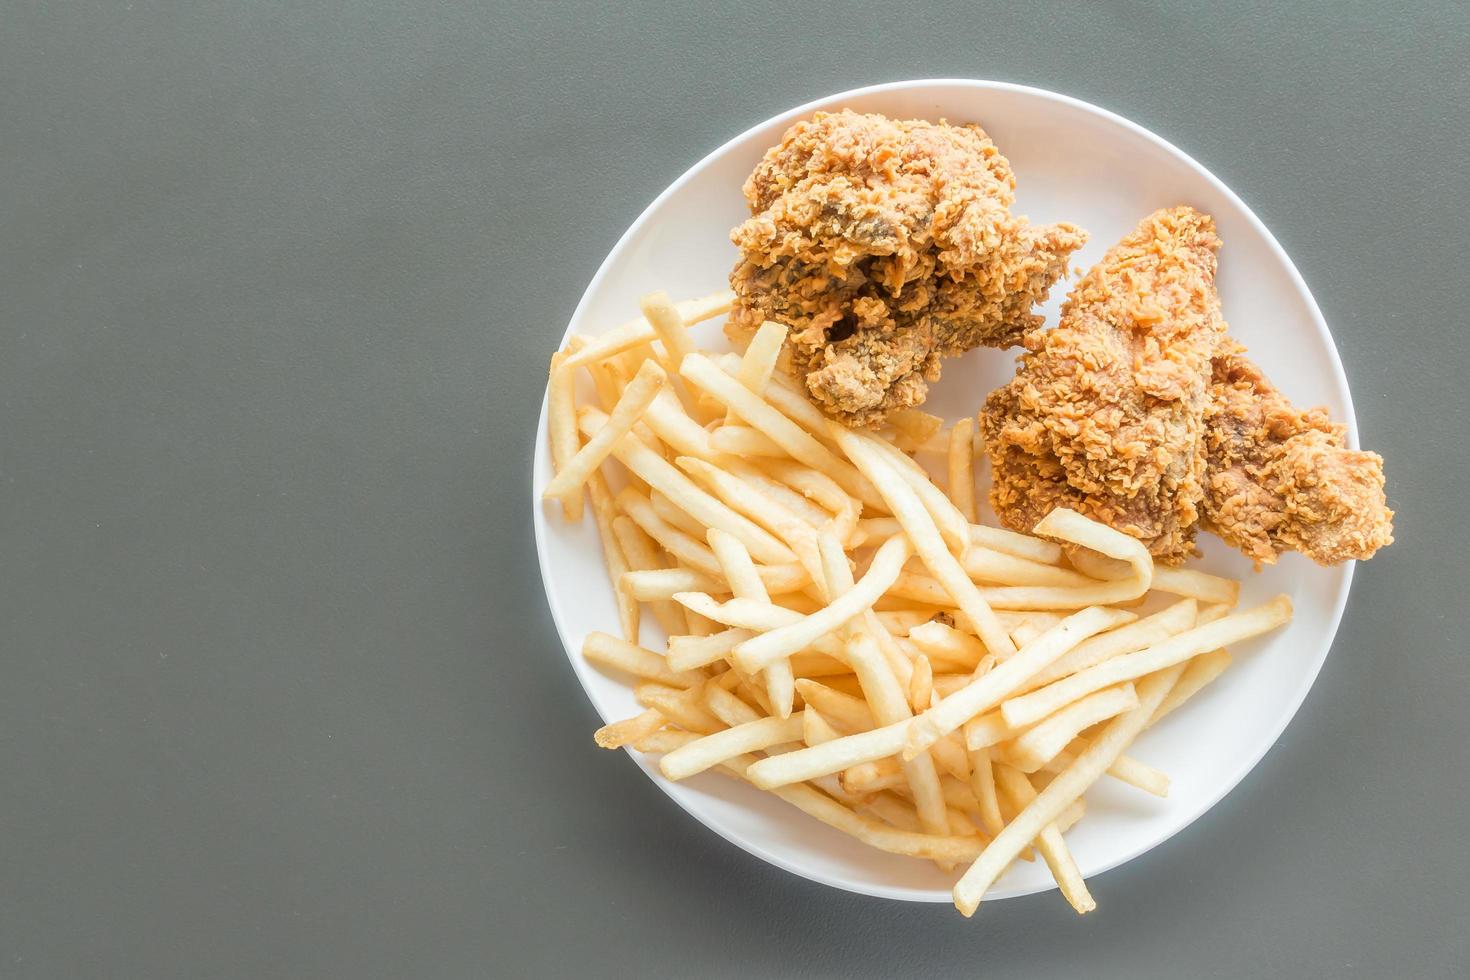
x=1106, y=414
x=1281, y=479
x=885, y=245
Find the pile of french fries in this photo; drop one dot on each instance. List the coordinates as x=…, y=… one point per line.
x=841, y=631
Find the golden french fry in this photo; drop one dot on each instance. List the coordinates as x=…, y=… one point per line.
x=692, y=652
x=912, y=427
x=982, y=783
x=1032, y=707
x=684, y=708
x=995, y=538
x=760, y=357
x=990, y=689
x=637, y=332
x=1201, y=670
x=880, y=683
x=815, y=729
x=1060, y=792
x=952, y=525
x=629, y=409
x=762, y=733
x=1185, y=582
x=796, y=533
x=1041, y=743
x=919, y=526
x=1126, y=639
x=756, y=653
x=662, y=476
x=1049, y=842
x=758, y=412
x=921, y=684
x=605, y=515
x=746, y=583
x=561, y=426
x=610, y=651
x=629, y=730
x=742, y=440
x=640, y=554
x=962, y=467
x=668, y=420
x=668, y=324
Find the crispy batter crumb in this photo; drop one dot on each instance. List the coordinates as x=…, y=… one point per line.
x=1106, y=415
x=885, y=245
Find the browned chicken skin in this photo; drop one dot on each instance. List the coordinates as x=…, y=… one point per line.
x=1138, y=410
x=885, y=245
x=1106, y=414
x=1282, y=479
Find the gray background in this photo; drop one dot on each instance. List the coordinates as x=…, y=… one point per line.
x=280, y=693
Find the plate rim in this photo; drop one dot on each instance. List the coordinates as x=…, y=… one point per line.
x=1319, y=323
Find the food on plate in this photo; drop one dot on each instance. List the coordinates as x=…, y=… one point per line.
x=884, y=245
x=1282, y=479
x=842, y=633
x=1138, y=410
x=1106, y=414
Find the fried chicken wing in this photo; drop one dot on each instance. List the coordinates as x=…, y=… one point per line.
x=885, y=245
x=1140, y=411
x=1106, y=414
x=1282, y=479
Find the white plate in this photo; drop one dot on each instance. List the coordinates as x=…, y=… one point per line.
x=1073, y=162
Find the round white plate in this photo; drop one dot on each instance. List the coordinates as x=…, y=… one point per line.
x=1073, y=162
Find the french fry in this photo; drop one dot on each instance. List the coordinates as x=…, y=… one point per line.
x=921, y=684
x=986, y=565
x=982, y=783
x=629, y=730
x=640, y=554
x=767, y=485
x=952, y=525
x=674, y=426
x=1068, y=786
x=920, y=529
x=684, y=708
x=662, y=476
x=995, y=538
x=668, y=324
x=911, y=427
x=692, y=652
x=604, y=515
x=760, y=357
x=759, y=413
x=675, y=516
x=561, y=426
x=874, y=671
x=746, y=583
x=1125, y=639
x=815, y=729
x=1201, y=670
x=756, y=653
x=629, y=409
x=1049, y=842
x=1185, y=582
x=742, y=440
x=1042, y=742
x=607, y=650
x=637, y=332
x=752, y=736
x=1038, y=704
x=796, y=533
x=962, y=467
x=987, y=691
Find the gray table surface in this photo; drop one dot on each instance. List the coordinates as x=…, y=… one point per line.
x=281, y=695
